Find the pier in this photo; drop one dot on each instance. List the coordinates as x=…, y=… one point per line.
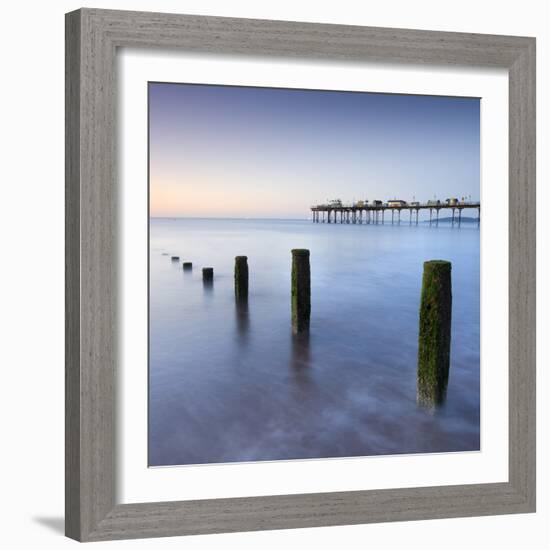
x=375, y=212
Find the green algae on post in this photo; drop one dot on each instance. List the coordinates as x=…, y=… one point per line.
x=300, y=290
x=241, y=278
x=434, y=334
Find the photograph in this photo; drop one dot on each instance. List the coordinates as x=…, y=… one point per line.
x=314, y=274
x=271, y=275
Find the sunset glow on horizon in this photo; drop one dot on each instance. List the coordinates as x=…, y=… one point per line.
x=238, y=152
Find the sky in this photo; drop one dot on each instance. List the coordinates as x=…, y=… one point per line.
x=244, y=152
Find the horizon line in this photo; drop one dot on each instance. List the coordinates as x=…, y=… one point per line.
x=253, y=218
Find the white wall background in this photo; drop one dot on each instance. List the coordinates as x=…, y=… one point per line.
x=31, y=302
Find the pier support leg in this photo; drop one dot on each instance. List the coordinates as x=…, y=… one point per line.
x=410, y=216
x=478, y=216
x=300, y=290
x=434, y=337
x=430, y=217
x=383, y=217
x=417, y=216
x=437, y=217
x=241, y=278
x=453, y=218
x=187, y=266
x=459, y=216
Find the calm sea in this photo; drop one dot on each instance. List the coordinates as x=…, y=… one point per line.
x=232, y=385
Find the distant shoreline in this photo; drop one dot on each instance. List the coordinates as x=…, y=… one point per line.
x=464, y=219
x=228, y=219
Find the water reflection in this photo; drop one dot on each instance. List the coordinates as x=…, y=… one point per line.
x=242, y=318
x=301, y=366
x=208, y=286
x=300, y=357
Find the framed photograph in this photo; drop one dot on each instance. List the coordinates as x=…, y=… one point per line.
x=300, y=275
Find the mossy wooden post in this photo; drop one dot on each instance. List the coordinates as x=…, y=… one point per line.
x=187, y=266
x=207, y=274
x=300, y=290
x=434, y=335
x=241, y=278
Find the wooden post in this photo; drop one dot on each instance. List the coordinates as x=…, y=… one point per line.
x=434, y=335
x=175, y=258
x=300, y=290
x=187, y=266
x=207, y=274
x=241, y=278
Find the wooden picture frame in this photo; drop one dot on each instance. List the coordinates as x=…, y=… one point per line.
x=92, y=39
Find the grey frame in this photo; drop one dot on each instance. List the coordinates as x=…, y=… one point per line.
x=92, y=38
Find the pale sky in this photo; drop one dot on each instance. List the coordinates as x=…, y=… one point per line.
x=228, y=151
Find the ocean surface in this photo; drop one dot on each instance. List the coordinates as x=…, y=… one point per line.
x=232, y=384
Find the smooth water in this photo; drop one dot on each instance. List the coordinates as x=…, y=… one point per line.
x=230, y=384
